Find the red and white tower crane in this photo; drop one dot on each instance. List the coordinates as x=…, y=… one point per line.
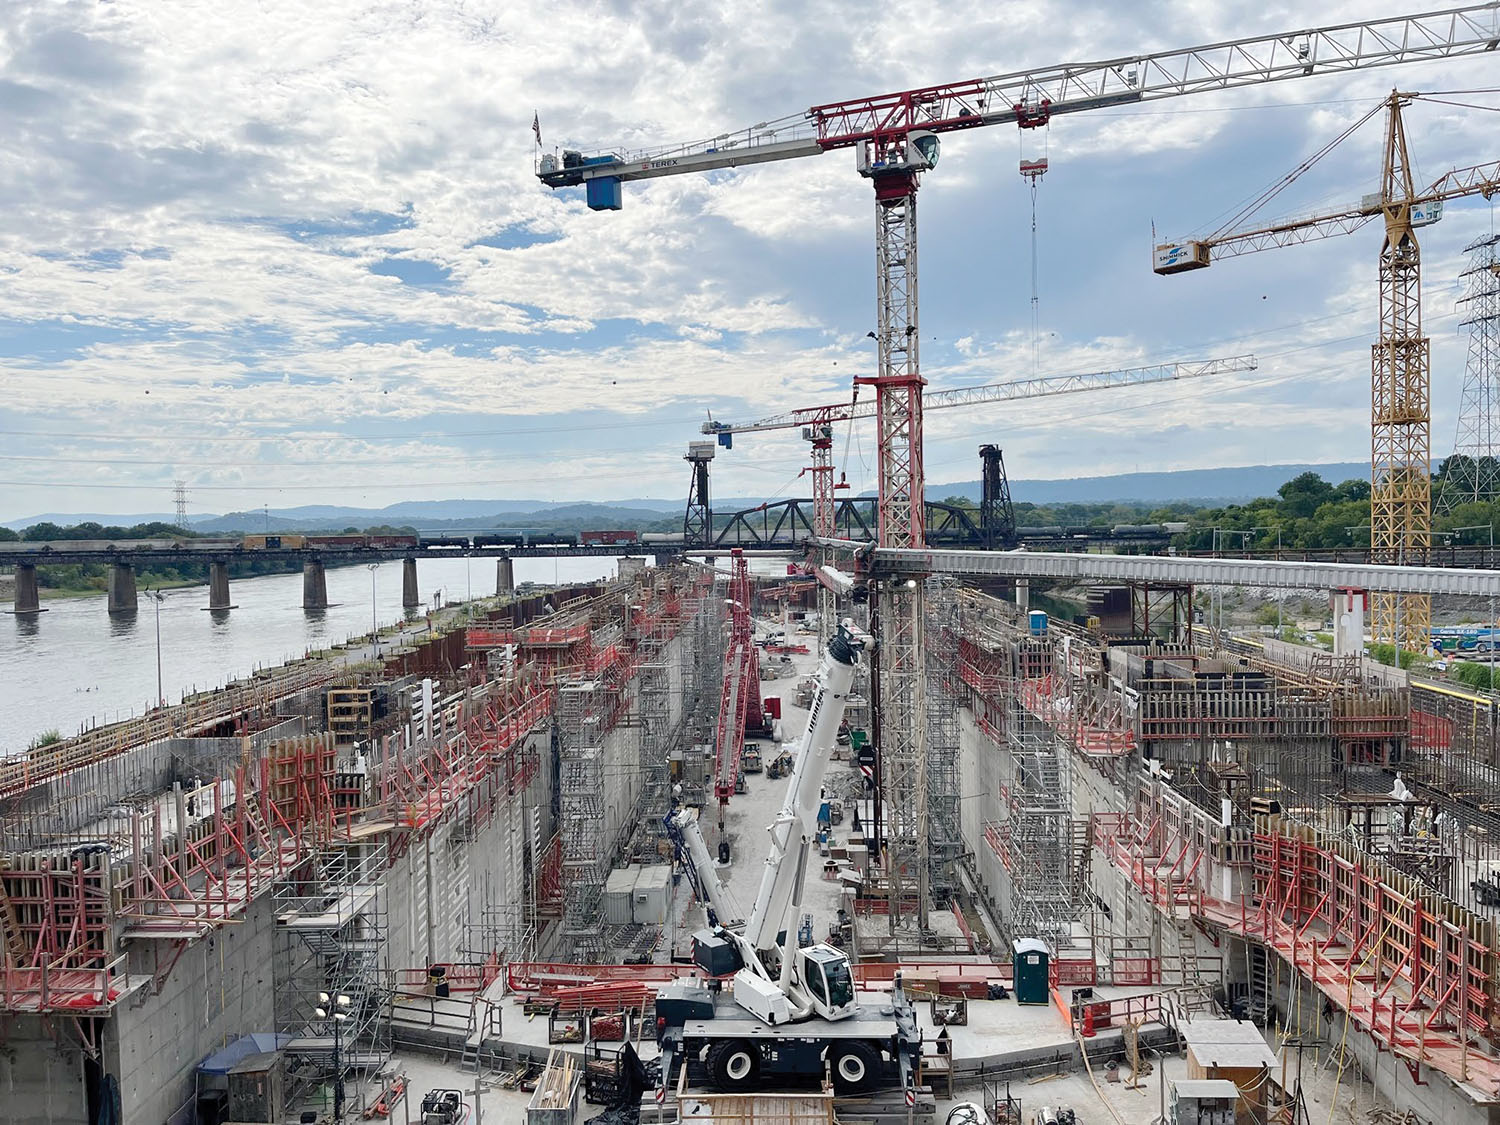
x=895, y=139
x=739, y=701
x=817, y=423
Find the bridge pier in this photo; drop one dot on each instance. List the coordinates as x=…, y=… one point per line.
x=1023, y=594
x=28, y=598
x=1348, y=606
x=218, y=586
x=122, y=597
x=505, y=577
x=314, y=585
x=410, y=597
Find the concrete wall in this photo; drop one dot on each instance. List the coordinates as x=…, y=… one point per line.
x=468, y=871
x=981, y=772
x=1437, y=1098
x=41, y=1083
x=220, y=988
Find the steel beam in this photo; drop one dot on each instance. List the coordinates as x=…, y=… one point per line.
x=1431, y=581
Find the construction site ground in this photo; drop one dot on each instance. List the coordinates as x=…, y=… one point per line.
x=1331, y=1097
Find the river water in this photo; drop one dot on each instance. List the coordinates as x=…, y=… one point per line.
x=76, y=665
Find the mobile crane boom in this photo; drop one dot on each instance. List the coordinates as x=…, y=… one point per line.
x=792, y=1010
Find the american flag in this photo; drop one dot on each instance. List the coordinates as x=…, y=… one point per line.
x=536, y=127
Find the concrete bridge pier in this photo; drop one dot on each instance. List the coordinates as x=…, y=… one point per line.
x=1023, y=594
x=1348, y=606
x=314, y=585
x=28, y=598
x=505, y=577
x=122, y=598
x=410, y=597
x=218, y=586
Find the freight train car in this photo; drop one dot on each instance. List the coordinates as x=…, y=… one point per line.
x=609, y=538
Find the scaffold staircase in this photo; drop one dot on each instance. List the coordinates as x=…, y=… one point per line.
x=1082, y=855
x=484, y=1023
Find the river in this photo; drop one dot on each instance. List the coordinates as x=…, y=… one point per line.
x=76, y=666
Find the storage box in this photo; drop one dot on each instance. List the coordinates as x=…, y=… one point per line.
x=652, y=893
x=619, y=896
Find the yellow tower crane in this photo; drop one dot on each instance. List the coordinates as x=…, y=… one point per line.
x=1400, y=360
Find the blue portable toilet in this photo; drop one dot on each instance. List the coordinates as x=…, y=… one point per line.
x=1037, y=622
x=1031, y=968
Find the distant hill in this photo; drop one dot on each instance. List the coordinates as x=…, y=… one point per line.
x=1207, y=486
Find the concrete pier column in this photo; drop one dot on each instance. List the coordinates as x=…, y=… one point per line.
x=1348, y=606
x=314, y=585
x=1023, y=594
x=122, y=588
x=410, y=598
x=28, y=599
x=218, y=586
x=505, y=577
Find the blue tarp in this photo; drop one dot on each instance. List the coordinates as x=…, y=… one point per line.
x=227, y=1058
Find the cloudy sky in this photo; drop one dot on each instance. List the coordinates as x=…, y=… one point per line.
x=295, y=253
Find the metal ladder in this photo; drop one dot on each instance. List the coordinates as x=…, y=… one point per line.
x=1187, y=949
x=1259, y=998
x=15, y=944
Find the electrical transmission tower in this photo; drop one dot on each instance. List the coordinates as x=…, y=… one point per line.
x=1473, y=473
x=179, y=499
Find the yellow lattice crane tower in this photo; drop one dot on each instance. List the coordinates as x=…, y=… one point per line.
x=1400, y=360
x=1400, y=401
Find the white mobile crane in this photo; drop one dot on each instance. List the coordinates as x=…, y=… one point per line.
x=788, y=1012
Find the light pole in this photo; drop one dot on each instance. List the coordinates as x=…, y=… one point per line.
x=339, y=1009
x=1489, y=527
x=158, y=597
x=1276, y=528
x=374, y=624
x=1216, y=598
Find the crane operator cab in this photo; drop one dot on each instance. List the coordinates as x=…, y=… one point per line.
x=829, y=983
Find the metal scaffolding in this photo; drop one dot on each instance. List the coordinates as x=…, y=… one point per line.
x=657, y=738
x=333, y=983
x=945, y=835
x=581, y=816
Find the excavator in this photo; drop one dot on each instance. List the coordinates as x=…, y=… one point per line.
x=764, y=1009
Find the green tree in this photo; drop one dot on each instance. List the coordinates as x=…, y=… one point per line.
x=1304, y=494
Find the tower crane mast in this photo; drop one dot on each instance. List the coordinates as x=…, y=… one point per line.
x=895, y=139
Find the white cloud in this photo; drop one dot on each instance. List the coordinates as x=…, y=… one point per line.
x=195, y=205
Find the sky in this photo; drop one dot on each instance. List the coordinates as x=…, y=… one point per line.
x=294, y=253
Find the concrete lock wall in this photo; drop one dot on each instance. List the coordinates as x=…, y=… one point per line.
x=466, y=871
x=41, y=1083
x=979, y=768
x=220, y=988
